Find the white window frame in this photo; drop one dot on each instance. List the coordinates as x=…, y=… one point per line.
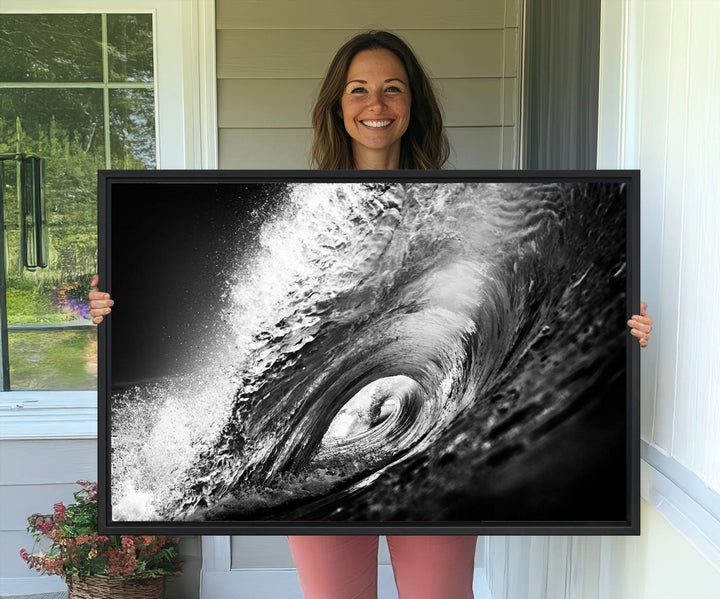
x=186, y=130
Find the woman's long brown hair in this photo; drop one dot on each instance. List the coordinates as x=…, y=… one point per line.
x=424, y=144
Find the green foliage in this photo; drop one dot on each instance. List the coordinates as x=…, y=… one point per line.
x=70, y=194
x=27, y=305
x=50, y=47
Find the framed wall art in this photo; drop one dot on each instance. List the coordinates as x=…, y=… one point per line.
x=385, y=352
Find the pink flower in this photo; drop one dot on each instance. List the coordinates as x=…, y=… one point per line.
x=128, y=542
x=59, y=509
x=44, y=526
x=24, y=554
x=121, y=562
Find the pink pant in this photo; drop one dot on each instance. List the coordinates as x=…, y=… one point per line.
x=336, y=567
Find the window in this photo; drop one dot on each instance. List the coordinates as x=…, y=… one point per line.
x=186, y=125
x=76, y=90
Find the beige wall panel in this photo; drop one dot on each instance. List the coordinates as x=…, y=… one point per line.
x=512, y=13
x=265, y=148
x=512, y=52
x=269, y=54
x=510, y=106
x=471, y=102
x=474, y=147
x=510, y=141
x=275, y=103
x=266, y=102
x=471, y=147
x=370, y=14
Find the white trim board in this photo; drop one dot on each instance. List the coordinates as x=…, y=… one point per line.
x=48, y=415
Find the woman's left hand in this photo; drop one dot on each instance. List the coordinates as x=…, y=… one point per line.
x=641, y=325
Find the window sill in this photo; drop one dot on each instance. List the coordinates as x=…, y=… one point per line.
x=48, y=415
x=686, y=501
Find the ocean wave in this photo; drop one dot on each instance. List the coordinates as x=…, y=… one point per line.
x=392, y=344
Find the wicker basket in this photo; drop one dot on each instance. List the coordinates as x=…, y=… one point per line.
x=116, y=587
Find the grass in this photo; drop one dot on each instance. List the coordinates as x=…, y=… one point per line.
x=53, y=359
x=27, y=305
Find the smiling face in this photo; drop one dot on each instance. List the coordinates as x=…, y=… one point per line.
x=375, y=108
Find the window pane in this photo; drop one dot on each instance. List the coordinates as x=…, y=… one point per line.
x=50, y=48
x=132, y=128
x=130, y=47
x=53, y=359
x=74, y=116
x=65, y=127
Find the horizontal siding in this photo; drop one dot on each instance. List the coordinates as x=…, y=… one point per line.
x=47, y=462
x=474, y=102
x=398, y=14
x=34, y=475
x=510, y=101
x=511, y=44
x=279, y=103
x=257, y=54
x=512, y=13
x=509, y=150
x=11, y=564
x=471, y=148
x=19, y=501
x=475, y=147
x=264, y=148
x=266, y=103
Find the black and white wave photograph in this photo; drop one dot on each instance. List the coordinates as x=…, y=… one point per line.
x=383, y=352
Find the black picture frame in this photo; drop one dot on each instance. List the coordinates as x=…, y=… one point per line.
x=585, y=456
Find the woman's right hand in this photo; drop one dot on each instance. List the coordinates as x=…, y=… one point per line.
x=100, y=302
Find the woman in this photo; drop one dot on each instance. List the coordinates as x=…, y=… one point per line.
x=376, y=110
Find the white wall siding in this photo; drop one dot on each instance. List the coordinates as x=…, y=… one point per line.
x=669, y=127
x=34, y=475
x=696, y=438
